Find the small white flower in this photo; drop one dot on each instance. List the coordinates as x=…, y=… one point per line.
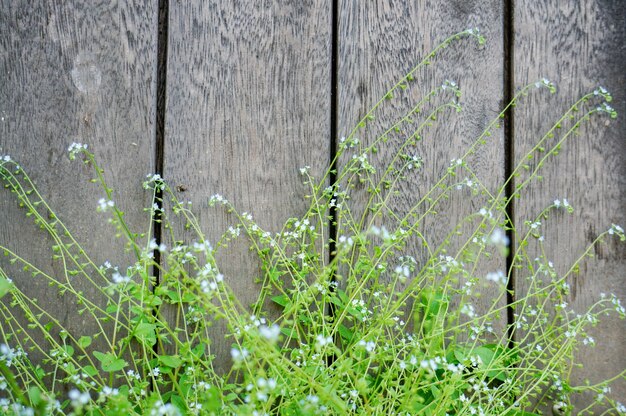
x=322, y=340
x=238, y=355
x=104, y=205
x=79, y=399
x=498, y=277
x=119, y=279
x=270, y=333
x=499, y=238
x=75, y=148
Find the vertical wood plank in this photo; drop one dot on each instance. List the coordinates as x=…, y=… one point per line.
x=76, y=72
x=579, y=46
x=379, y=42
x=247, y=106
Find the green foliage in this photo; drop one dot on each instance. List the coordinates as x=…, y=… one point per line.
x=375, y=329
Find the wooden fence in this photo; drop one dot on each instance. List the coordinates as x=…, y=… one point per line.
x=232, y=97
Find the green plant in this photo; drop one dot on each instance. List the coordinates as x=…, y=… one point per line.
x=369, y=331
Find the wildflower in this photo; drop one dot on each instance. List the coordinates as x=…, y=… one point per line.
x=238, y=355
x=498, y=277
x=322, y=340
x=119, y=279
x=76, y=148
x=161, y=409
x=104, y=205
x=5, y=158
x=79, y=399
x=368, y=345
x=270, y=333
x=499, y=238
x=202, y=246
x=108, y=392
x=156, y=179
x=617, y=230
x=304, y=170
x=346, y=240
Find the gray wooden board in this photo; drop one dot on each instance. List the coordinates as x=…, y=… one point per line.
x=248, y=104
x=579, y=46
x=76, y=72
x=379, y=42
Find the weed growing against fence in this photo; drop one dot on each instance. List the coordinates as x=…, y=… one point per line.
x=370, y=330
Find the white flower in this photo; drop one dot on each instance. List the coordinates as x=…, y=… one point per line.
x=156, y=179
x=79, y=399
x=498, y=277
x=104, y=205
x=270, y=333
x=75, y=148
x=322, y=340
x=119, y=279
x=5, y=158
x=368, y=345
x=238, y=355
x=498, y=238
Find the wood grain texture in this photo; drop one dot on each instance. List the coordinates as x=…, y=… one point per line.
x=76, y=72
x=248, y=104
x=379, y=42
x=579, y=46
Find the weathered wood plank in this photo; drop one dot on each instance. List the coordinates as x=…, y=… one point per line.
x=247, y=105
x=379, y=42
x=84, y=72
x=579, y=46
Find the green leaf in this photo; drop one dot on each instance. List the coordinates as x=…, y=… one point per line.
x=172, y=361
x=90, y=370
x=109, y=362
x=145, y=332
x=5, y=286
x=213, y=401
x=84, y=341
x=345, y=333
x=34, y=394
x=282, y=300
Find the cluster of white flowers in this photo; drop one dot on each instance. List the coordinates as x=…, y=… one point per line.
x=616, y=230
x=104, y=205
x=498, y=277
x=164, y=409
x=79, y=399
x=270, y=333
x=217, y=199
x=75, y=148
x=154, y=180
x=210, y=286
x=239, y=354
x=363, y=163
x=499, y=238
x=7, y=407
x=118, y=279
x=8, y=354
x=368, y=345
x=154, y=246
x=348, y=143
